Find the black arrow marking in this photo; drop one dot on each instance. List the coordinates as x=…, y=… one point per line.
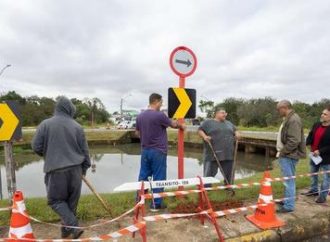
x=188, y=63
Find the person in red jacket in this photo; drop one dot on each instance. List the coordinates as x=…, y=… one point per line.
x=319, y=141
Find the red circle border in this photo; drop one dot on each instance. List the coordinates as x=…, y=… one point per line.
x=192, y=54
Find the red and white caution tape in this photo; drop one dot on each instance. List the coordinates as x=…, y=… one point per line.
x=234, y=186
x=170, y=194
x=216, y=213
x=6, y=209
x=298, y=176
x=86, y=227
x=115, y=235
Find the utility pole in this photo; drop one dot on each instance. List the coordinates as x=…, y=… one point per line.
x=121, y=106
x=122, y=102
x=9, y=162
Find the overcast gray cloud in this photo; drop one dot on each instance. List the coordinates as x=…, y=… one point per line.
x=111, y=48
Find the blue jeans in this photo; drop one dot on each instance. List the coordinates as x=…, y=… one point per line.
x=288, y=168
x=325, y=183
x=314, y=179
x=153, y=163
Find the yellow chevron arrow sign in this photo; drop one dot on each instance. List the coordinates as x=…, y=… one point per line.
x=185, y=103
x=9, y=122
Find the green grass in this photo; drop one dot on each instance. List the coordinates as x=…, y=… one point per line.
x=90, y=209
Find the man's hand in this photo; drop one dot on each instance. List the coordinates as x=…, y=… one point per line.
x=207, y=138
x=316, y=153
x=238, y=135
x=182, y=126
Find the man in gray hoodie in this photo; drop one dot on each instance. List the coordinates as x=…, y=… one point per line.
x=61, y=141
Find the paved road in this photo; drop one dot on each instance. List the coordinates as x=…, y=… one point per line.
x=263, y=135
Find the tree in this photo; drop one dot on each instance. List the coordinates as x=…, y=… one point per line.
x=206, y=107
x=231, y=106
x=12, y=95
x=258, y=112
x=97, y=111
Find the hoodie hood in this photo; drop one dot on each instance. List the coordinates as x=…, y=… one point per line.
x=64, y=106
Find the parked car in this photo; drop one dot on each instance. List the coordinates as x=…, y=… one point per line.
x=131, y=125
x=126, y=125
x=196, y=122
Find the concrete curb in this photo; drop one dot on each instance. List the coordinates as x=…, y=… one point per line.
x=297, y=228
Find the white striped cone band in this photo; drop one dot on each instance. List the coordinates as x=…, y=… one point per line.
x=21, y=231
x=115, y=235
x=266, y=198
x=266, y=183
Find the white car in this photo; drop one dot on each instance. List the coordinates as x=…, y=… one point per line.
x=126, y=125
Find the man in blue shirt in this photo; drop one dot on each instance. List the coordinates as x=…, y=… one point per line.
x=151, y=128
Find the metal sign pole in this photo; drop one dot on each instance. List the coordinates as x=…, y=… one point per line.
x=10, y=169
x=181, y=139
x=183, y=63
x=10, y=130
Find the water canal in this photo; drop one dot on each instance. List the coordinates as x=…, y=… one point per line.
x=117, y=165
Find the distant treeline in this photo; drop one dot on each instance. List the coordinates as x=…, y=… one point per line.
x=262, y=112
x=34, y=109
x=259, y=112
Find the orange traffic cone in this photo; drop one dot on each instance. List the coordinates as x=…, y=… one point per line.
x=264, y=216
x=20, y=226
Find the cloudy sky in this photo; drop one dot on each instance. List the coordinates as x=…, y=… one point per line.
x=120, y=48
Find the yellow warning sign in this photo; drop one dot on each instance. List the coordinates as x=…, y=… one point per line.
x=181, y=103
x=9, y=122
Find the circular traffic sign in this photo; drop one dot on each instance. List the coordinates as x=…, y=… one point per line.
x=183, y=61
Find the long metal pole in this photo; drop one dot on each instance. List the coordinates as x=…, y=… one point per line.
x=181, y=140
x=152, y=194
x=121, y=106
x=234, y=163
x=218, y=162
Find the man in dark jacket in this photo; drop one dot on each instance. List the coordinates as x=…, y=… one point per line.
x=291, y=147
x=319, y=140
x=60, y=140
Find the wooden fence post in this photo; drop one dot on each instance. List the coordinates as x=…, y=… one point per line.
x=10, y=169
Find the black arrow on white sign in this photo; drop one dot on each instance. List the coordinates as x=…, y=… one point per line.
x=188, y=63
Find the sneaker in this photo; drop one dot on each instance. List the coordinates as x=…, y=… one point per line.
x=77, y=233
x=310, y=193
x=73, y=235
x=281, y=209
x=320, y=200
x=281, y=203
x=66, y=233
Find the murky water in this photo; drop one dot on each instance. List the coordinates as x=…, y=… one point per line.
x=120, y=164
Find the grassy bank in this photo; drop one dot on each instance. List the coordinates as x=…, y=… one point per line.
x=90, y=209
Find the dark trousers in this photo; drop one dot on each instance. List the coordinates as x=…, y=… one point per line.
x=211, y=169
x=63, y=193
